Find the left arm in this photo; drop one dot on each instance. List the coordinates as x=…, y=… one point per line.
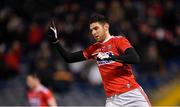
x=130, y=57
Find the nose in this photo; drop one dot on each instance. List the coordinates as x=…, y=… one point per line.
x=93, y=32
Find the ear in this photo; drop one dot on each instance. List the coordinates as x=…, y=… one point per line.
x=106, y=26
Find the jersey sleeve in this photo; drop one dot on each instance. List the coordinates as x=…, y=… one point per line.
x=88, y=52
x=122, y=44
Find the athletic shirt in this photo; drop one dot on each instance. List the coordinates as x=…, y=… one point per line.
x=39, y=97
x=117, y=77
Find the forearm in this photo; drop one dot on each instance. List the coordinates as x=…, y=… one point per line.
x=130, y=57
x=69, y=57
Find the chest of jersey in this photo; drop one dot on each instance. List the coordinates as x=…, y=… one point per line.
x=105, y=49
x=36, y=98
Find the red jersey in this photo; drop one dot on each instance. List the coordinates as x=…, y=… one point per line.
x=117, y=77
x=39, y=97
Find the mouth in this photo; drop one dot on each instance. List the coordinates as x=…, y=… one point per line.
x=96, y=36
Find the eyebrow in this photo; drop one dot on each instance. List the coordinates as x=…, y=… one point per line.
x=95, y=27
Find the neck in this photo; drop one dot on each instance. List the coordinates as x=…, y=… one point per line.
x=108, y=36
x=38, y=87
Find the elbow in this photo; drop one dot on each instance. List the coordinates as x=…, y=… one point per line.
x=137, y=59
x=133, y=56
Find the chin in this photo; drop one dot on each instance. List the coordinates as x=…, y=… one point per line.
x=98, y=40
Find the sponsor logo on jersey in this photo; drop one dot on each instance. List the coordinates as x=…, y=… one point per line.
x=100, y=58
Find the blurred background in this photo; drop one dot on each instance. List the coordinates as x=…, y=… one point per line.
x=152, y=26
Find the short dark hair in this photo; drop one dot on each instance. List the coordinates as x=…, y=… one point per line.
x=33, y=74
x=96, y=17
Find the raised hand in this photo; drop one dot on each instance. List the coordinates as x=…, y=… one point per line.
x=52, y=33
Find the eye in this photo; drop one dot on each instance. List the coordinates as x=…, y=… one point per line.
x=96, y=28
x=90, y=30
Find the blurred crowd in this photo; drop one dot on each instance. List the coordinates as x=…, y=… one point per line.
x=152, y=26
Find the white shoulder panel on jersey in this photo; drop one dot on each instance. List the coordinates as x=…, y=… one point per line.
x=44, y=89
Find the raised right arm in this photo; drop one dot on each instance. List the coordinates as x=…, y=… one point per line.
x=68, y=56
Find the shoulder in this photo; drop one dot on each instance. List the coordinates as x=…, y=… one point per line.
x=95, y=44
x=120, y=38
x=44, y=90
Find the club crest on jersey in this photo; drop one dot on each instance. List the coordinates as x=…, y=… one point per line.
x=101, y=58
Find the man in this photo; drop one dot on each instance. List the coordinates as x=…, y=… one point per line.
x=39, y=95
x=113, y=56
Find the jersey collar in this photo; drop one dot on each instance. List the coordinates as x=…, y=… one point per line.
x=107, y=39
x=39, y=88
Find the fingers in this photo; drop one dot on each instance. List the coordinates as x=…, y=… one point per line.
x=53, y=28
x=53, y=24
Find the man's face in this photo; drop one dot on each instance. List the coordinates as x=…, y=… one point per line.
x=31, y=82
x=98, y=31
